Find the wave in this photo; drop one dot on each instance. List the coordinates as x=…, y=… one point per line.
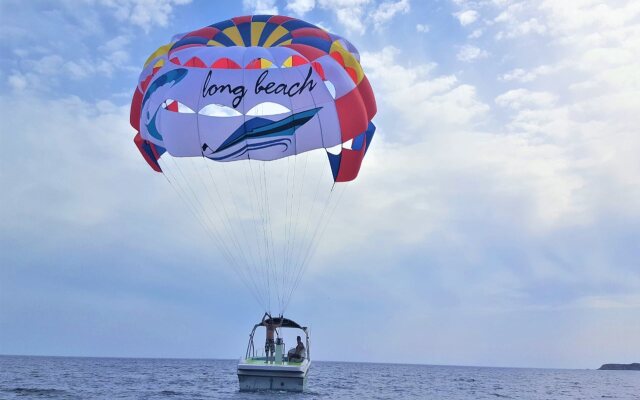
x=37, y=391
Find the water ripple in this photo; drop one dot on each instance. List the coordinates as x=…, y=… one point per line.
x=156, y=379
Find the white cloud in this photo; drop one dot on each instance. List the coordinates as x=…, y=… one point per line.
x=441, y=100
x=518, y=19
x=350, y=13
x=467, y=17
x=115, y=51
x=430, y=132
x=559, y=155
x=589, y=22
x=585, y=104
x=422, y=28
x=77, y=129
x=118, y=43
x=607, y=302
x=530, y=75
x=50, y=70
x=260, y=6
x=475, y=34
x=523, y=28
x=46, y=68
x=468, y=53
x=144, y=13
x=389, y=9
x=47, y=65
x=520, y=98
x=301, y=7
x=354, y=15
x=17, y=81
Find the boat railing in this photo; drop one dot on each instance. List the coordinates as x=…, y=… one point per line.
x=251, y=351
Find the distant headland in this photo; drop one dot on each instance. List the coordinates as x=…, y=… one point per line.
x=621, y=367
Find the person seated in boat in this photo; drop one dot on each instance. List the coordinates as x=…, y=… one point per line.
x=270, y=344
x=299, y=353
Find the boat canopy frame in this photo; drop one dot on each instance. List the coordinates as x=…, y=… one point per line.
x=277, y=322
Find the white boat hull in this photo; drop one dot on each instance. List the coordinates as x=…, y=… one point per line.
x=254, y=376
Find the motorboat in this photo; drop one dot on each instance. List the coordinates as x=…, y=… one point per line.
x=282, y=371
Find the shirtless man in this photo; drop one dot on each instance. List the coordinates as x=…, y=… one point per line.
x=270, y=344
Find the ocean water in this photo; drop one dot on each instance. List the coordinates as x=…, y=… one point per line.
x=128, y=378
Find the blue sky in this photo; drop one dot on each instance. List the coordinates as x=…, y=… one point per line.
x=498, y=212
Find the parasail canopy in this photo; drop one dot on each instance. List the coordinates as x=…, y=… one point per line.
x=213, y=105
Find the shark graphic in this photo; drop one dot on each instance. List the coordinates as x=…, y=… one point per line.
x=279, y=131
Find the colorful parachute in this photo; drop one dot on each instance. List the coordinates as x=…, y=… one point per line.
x=240, y=92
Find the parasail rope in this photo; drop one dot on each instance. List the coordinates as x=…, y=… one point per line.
x=255, y=247
x=296, y=223
x=306, y=235
x=214, y=235
x=227, y=220
x=265, y=252
x=269, y=229
x=223, y=238
x=271, y=242
x=272, y=265
x=257, y=270
x=318, y=233
x=214, y=183
x=291, y=265
x=289, y=227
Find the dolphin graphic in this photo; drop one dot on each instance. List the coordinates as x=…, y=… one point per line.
x=172, y=77
x=258, y=128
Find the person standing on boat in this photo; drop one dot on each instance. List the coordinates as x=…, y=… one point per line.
x=270, y=344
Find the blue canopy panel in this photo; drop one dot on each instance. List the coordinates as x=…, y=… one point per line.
x=346, y=165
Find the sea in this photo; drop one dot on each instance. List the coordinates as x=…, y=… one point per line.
x=23, y=377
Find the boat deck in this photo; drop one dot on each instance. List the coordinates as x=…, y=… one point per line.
x=263, y=361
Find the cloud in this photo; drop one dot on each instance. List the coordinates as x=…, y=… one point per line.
x=77, y=127
x=422, y=28
x=475, y=34
x=518, y=19
x=17, y=81
x=522, y=29
x=530, y=75
x=351, y=14
x=50, y=59
x=423, y=168
x=520, y=98
x=144, y=13
x=631, y=301
x=355, y=15
x=50, y=71
x=467, y=17
x=552, y=155
x=260, y=6
x=389, y=9
x=301, y=7
x=442, y=100
x=469, y=53
x=585, y=22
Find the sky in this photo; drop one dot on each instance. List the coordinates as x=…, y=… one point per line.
x=496, y=219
